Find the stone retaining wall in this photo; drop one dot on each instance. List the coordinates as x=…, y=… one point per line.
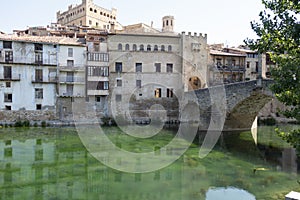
x=38, y=115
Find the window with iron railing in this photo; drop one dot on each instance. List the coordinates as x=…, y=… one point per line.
x=8, y=56
x=39, y=57
x=98, y=71
x=38, y=75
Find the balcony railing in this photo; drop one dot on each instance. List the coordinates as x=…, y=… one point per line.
x=225, y=68
x=97, y=57
x=71, y=68
x=71, y=94
x=12, y=77
x=71, y=79
x=49, y=79
x=28, y=60
x=92, y=92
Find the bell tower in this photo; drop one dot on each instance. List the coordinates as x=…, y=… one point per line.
x=168, y=24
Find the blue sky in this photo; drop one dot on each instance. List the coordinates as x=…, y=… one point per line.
x=225, y=21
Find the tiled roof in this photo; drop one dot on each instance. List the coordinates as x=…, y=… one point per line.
x=221, y=53
x=42, y=39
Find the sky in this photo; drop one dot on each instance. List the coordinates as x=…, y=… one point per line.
x=224, y=21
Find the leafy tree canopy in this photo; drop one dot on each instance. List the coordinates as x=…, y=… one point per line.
x=279, y=35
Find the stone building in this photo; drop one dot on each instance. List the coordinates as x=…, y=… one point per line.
x=88, y=14
x=154, y=66
x=97, y=71
x=71, y=78
x=235, y=64
x=35, y=72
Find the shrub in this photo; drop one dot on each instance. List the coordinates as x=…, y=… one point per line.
x=44, y=124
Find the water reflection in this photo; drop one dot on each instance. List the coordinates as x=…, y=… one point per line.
x=57, y=166
x=228, y=194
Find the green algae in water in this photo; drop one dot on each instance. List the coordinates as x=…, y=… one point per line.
x=52, y=163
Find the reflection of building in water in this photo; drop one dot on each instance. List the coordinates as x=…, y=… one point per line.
x=51, y=168
x=289, y=160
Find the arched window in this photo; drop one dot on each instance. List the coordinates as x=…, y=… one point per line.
x=127, y=47
x=162, y=48
x=91, y=9
x=155, y=48
x=167, y=23
x=101, y=13
x=120, y=47
x=134, y=47
x=169, y=48
x=141, y=47
x=95, y=11
x=148, y=47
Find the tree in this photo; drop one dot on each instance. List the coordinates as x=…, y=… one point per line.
x=279, y=34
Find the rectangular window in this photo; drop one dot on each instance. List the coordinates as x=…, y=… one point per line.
x=7, y=72
x=7, y=44
x=7, y=107
x=38, y=75
x=157, y=93
x=118, y=97
x=119, y=83
x=100, y=85
x=70, y=89
x=219, y=62
x=8, y=56
x=38, y=47
x=248, y=64
x=157, y=67
x=7, y=98
x=39, y=93
x=70, y=77
x=96, y=47
x=70, y=52
x=98, y=71
x=38, y=57
x=70, y=63
x=38, y=106
x=169, y=68
x=256, y=66
x=97, y=98
x=138, y=83
x=105, y=85
x=118, y=67
x=169, y=92
x=138, y=67
x=8, y=84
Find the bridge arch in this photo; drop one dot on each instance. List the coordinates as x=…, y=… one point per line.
x=243, y=114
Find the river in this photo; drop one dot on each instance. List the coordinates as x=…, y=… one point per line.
x=53, y=164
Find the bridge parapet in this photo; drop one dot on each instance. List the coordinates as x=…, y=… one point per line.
x=242, y=102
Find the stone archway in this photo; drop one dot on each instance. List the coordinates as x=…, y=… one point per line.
x=194, y=83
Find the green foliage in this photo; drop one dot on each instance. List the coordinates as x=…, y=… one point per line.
x=44, y=124
x=279, y=34
x=20, y=123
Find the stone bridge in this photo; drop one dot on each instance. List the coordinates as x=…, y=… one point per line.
x=238, y=103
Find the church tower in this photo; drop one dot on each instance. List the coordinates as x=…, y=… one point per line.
x=168, y=24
